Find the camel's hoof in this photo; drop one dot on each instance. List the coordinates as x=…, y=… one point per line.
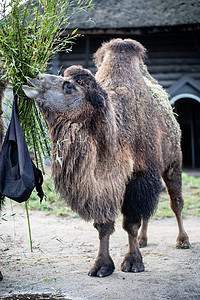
x=182, y=242
x=132, y=263
x=183, y=245
x=102, y=267
x=142, y=242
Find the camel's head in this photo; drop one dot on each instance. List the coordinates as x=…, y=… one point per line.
x=71, y=94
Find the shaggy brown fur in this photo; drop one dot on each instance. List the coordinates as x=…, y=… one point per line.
x=87, y=177
x=110, y=144
x=153, y=129
x=93, y=173
x=150, y=129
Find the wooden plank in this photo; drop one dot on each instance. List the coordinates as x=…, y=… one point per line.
x=165, y=54
x=173, y=68
x=173, y=60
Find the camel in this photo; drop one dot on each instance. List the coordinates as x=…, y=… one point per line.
x=112, y=142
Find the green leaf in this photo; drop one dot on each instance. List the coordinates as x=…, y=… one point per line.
x=75, y=30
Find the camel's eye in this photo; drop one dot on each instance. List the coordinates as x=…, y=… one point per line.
x=68, y=86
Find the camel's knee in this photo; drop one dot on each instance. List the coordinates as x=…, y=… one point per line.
x=104, y=228
x=131, y=225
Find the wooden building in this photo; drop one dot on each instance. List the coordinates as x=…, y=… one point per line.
x=170, y=31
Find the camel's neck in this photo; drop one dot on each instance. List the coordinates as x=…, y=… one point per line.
x=77, y=145
x=82, y=168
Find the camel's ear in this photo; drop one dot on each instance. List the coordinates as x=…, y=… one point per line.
x=97, y=100
x=30, y=92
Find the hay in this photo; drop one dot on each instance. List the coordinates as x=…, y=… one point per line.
x=161, y=98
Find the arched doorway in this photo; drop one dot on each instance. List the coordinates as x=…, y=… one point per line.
x=187, y=108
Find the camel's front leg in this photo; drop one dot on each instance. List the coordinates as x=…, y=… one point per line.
x=133, y=259
x=103, y=265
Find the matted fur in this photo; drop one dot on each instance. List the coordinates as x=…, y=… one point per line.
x=93, y=172
x=145, y=121
x=110, y=150
x=153, y=131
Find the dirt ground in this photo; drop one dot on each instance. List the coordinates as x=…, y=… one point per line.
x=65, y=249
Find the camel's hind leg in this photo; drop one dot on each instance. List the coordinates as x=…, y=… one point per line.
x=173, y=181
x=103, y=265
x=142, y=237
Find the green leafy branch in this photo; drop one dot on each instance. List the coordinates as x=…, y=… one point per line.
x=31, y=33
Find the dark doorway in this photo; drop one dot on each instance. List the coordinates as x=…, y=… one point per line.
x=188, y=111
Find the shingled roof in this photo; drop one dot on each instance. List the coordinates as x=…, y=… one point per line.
x=109, y=14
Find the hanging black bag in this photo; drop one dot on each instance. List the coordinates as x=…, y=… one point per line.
x=18, y=174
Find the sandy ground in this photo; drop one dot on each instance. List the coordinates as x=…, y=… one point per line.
x=65, y=249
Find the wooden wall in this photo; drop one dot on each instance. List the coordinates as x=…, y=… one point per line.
x=170, y=54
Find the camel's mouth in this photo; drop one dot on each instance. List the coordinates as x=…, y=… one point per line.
x=33, y=82
x=32, y=88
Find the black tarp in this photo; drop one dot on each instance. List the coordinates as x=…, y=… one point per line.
x=18, y=174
